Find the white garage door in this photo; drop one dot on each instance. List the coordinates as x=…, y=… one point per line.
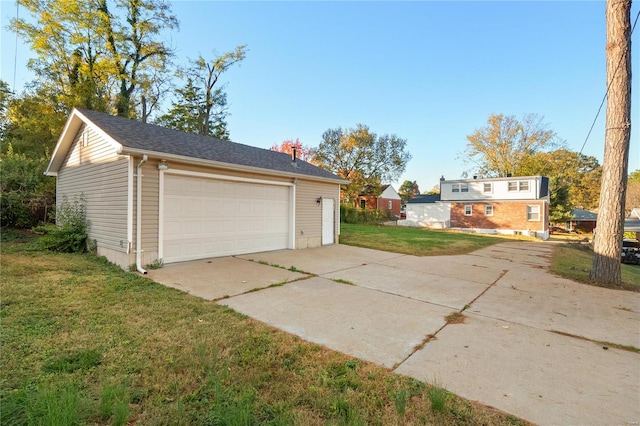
x=209, y=217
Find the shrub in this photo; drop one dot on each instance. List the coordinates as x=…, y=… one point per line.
x=26, y=194
x=70, y=236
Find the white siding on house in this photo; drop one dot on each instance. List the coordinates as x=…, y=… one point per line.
x=99, y=174
x=499, y=189
x=390, y=193
x=428, y=215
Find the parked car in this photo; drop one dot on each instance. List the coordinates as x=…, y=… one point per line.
x=403, y=212
x=630, y=251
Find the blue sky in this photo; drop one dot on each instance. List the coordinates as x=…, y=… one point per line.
x=429, y=72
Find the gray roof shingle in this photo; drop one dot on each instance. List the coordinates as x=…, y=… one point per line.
x=149, y=137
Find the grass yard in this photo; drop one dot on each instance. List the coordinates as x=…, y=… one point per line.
x=574, y=261
x=85, y=343
x=571, y=260
x=415, y=241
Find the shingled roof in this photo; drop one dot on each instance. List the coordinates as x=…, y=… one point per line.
x=143, y=138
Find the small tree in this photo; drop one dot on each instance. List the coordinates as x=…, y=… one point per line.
x=408, y=190
x=363, y=157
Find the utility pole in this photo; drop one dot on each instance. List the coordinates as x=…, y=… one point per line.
x=607, y=245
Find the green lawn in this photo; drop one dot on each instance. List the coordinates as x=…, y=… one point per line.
x=574, y=261
x=571, y=260
x=415, y=241
x=85, y=343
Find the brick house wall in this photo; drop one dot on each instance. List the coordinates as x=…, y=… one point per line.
x=374, y=203
x=506, y=215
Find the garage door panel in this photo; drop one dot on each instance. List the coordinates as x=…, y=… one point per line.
x=209, y=218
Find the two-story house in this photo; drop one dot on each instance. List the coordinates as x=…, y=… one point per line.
x=511, y=205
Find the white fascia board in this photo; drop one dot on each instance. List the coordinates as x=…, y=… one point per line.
x=71, y=127
x=228, y=166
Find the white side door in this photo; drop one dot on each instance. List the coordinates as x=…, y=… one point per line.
x=328, y=224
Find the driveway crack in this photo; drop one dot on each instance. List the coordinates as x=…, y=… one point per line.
x=432, y=336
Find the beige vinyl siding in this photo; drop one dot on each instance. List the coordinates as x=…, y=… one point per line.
x=309, y=212
x=98, y=173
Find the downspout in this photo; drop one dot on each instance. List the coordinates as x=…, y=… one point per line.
x=139, y=215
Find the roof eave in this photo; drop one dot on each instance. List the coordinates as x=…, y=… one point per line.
x=71, y=127
x=227, y=166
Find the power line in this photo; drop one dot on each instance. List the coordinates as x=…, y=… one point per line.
x=606, y=93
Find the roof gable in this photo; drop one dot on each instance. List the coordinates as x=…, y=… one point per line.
x=388, y=192
x=133, y=137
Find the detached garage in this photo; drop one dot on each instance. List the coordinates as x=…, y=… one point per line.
x=199, y=197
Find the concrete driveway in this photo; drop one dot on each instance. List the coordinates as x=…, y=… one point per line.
x=531, y=344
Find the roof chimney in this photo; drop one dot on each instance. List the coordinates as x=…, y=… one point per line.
x=294, y=154
x=441, y=178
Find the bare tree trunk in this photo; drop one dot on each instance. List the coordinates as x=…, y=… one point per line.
x=605, y=268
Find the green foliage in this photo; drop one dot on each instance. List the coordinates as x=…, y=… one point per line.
x=574, y=178
x=103, y=55
x=438, y=398
x=350, y=214
x=201, y=105
x=55, y=405
x=83, y=359
x=408, y=190
x=26, y=194
x=70, y=236
x=156, y=264
x=363, y=157
x=114, y=404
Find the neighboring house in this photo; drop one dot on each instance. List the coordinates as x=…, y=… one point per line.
x=581, y=221
x=427, y=211
x=632, y=222
x=153, y=193
x=388, y=201
x=511, y=205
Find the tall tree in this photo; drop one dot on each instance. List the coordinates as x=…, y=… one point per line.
x=187, y=112
x=96, y=54
x=408, y=190
x=31, y=124
x=201, y=105
x=302, y=152
x=362, y=157
x=605, y=268
x=574, y=178
x=501, y=147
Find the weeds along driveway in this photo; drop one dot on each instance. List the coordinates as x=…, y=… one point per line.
x=532, y=344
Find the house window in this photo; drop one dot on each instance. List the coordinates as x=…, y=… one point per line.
x=468, y=209
x=460, y=187
x=363, y=203
x=488, y=187
x=85, y=138
x=518, y=185
x=390, y=205
x=488, y=210
x=533, y=213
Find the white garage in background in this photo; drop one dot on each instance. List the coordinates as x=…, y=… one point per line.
x=158, y=195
